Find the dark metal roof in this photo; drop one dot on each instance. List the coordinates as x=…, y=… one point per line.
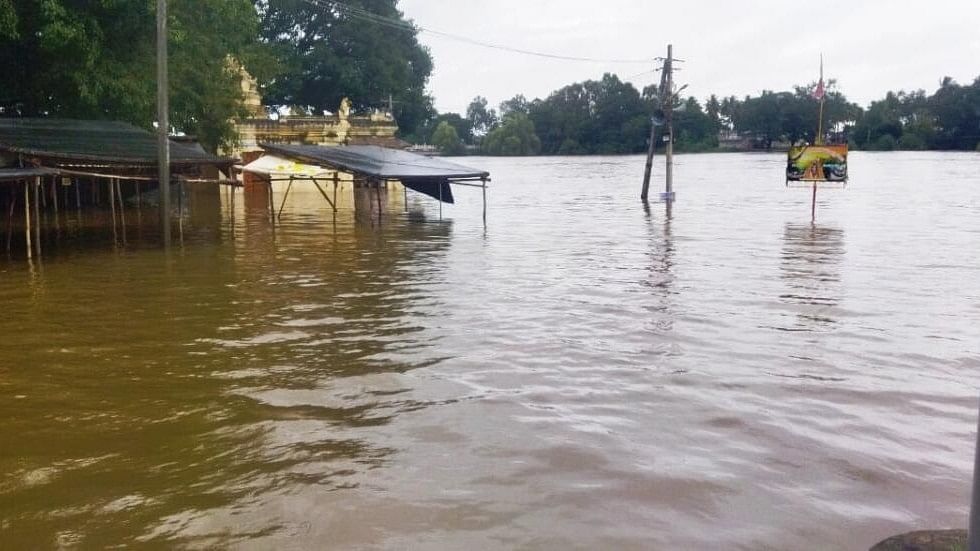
x=66, y=140
x=377, y=162
x=9, y=174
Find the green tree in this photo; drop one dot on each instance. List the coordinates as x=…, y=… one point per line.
x=462, y=126
x=364, y=50
x=482, y=119
x=515, y=136
x=8, y=20
x=604, y=116
x=516, y=104
x=95, y=60
x=446, y=139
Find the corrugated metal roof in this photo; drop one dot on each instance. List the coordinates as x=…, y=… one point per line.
x=9, y=174
x=377, y=162
x=110, y=142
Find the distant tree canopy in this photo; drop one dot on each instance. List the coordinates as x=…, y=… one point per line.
x=96, y=60
x=330, y=51
x=446, y=139
x=515, y=136
x=948, y=119
x=609, y=116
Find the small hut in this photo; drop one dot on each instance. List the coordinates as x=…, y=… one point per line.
x=63, y=162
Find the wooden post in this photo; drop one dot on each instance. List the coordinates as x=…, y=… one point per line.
x=669, y=67
x=813, y=204
x=10, y=220
x=440, y=200
x=112, y=205
x=645, y=191
x=484, y=181
x=285, y=196
x=973, y=528
x=272, y=205
x=27, y=219
x=122, y=207
x=37, y=214
x=377, y=185
x=54, y=193
x=163, y=119
x=78, y=194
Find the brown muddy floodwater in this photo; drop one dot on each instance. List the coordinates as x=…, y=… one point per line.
x=581, y=375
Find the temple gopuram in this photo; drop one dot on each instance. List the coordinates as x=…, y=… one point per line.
x=341, y=128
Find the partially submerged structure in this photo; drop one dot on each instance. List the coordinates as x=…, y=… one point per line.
x=341, y=128
x=59, y=163
x=366, y=165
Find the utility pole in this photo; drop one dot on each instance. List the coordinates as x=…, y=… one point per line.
x=651, y=148
x=163, y=118
x=669, y=112
x=666, y=97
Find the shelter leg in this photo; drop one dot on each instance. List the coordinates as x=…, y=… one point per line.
x=54, y=197
x=440, y=200
x=484, y=186
x=284, y=197
x=10, y=220
x=78, y=195
x=112, y=204
x=377, y=187
x=405, y=189
x=37, y=214
x=27, y=219
x=324, y=194
x=272, y=205
x=139, y=208
x=122, y=209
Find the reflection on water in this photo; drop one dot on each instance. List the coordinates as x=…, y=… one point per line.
x=811, y=263
x=579, y=374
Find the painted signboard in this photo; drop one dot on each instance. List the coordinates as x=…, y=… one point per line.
x=817, y=163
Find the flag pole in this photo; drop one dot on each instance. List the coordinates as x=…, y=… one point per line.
x=823, y=95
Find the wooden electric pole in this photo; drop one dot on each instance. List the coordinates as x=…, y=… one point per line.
x=163, y=118
x=666, y=104
x=668, y=95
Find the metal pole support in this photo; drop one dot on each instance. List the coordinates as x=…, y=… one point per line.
x=973, y=539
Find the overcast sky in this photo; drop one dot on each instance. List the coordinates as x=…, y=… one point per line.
x=729, y=47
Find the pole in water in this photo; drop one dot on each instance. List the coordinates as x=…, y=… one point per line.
x=973, y=532
x=484, y=181
x=27, y=219
x=163, y=118
x=645, y=191
x=669, y=68
x=37, y=214
x=813, y=204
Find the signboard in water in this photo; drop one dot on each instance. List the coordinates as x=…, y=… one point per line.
x=817, y=163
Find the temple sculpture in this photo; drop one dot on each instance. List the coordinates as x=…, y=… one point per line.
x=342, y=128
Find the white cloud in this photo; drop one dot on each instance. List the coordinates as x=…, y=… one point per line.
x=730, y=47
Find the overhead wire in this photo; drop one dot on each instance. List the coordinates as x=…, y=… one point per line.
x=389, y=22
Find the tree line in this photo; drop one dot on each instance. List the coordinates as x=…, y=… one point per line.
x=96, y=60
x=609, y=116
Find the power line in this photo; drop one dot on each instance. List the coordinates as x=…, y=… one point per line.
x=389, y=22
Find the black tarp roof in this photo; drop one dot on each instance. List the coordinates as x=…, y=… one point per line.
x=377, y=162
x=110, y=142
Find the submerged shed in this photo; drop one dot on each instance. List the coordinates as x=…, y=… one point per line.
x=68, y=142
x=427, y=175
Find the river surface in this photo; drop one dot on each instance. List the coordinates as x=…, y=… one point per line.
x=581, y=374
